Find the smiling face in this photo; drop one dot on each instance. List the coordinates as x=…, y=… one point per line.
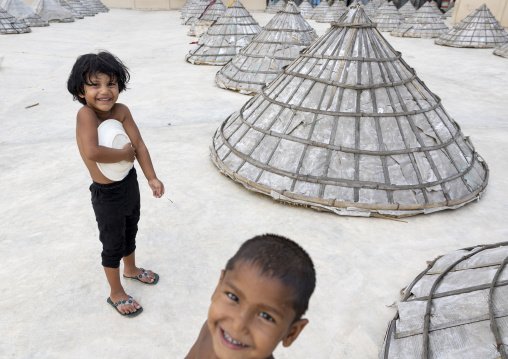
x=251, y=314
x=101, y=93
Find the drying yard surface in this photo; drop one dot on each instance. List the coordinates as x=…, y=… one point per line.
x=53, y=290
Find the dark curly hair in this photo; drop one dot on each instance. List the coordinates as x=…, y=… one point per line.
x=93, y=64
x=281, y=258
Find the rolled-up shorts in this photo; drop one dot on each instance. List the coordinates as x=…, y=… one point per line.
x=117, y=208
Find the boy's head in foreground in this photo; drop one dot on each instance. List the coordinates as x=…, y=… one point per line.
x=261, y=297
x=90, y=70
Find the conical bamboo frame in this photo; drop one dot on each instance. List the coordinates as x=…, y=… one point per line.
x=424, y=23
x=200, y=25
x=407, y=10
x=349, y=128
x=50, y=10
x=370, y=9
x=305, y=8
x=334, y=12
x=320, y=10
x=69, y=8
x=186, y=8
x=502, y=51
x=269, y=6
x=23, y=13
x=276, y=46
x=93, y=7
x=226, y=37
x=81, y=8
x=195, y=11
x=480, y=29
x=96, y=5
x=276, y=7
x=9, y=24
x=388, y=17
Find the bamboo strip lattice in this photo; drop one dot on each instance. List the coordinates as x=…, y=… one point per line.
x=196, y=11
x=387, y=17
x=70, y=9
x=10, y=25
x=305, y=9
x=211, y=14
x=269, y=7
x=96, y=5
x=320, y=10
x=186, y=8
x=479, y=29
x=81, y=8
x=370, y=8
x=435, y=8
x=424, y=24
x=348, y=127
x=407, y=10
x=502, y=51
x=277, y=45
x=23, y=13
x=224, y=39
x=461, y=297
x=276, y=7
x=334, y=12
x=50, y=10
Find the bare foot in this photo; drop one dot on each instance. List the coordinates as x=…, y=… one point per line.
x=138, y=271
x=127, y=308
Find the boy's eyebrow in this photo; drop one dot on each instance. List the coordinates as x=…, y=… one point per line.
x=270, y=308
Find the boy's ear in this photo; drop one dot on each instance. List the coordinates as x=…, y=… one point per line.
x=294, y=332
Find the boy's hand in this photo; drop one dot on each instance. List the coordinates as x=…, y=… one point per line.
x=157, y=187
x=130, y=152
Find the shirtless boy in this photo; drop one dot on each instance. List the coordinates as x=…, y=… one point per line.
x=259, y=301
x=96, y=81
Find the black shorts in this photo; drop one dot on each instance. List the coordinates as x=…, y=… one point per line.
x=116, y=206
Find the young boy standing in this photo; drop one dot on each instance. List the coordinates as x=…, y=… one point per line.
x=96, y=81
x=259, y=301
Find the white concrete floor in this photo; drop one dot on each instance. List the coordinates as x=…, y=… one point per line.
x=52, y=288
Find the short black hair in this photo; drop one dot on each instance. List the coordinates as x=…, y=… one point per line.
x=280, y=257
x=93, y=64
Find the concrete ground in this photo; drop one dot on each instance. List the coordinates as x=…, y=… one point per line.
x=52, y=288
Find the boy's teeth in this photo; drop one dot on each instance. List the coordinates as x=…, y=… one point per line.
x=231, y=340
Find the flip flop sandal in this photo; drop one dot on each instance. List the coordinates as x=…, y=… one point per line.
x=122, y=303
x=144, y=274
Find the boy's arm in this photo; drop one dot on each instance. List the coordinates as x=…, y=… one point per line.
x=86, y=123
x=142, y=154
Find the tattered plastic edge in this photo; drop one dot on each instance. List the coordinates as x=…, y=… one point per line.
x=350, y=211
